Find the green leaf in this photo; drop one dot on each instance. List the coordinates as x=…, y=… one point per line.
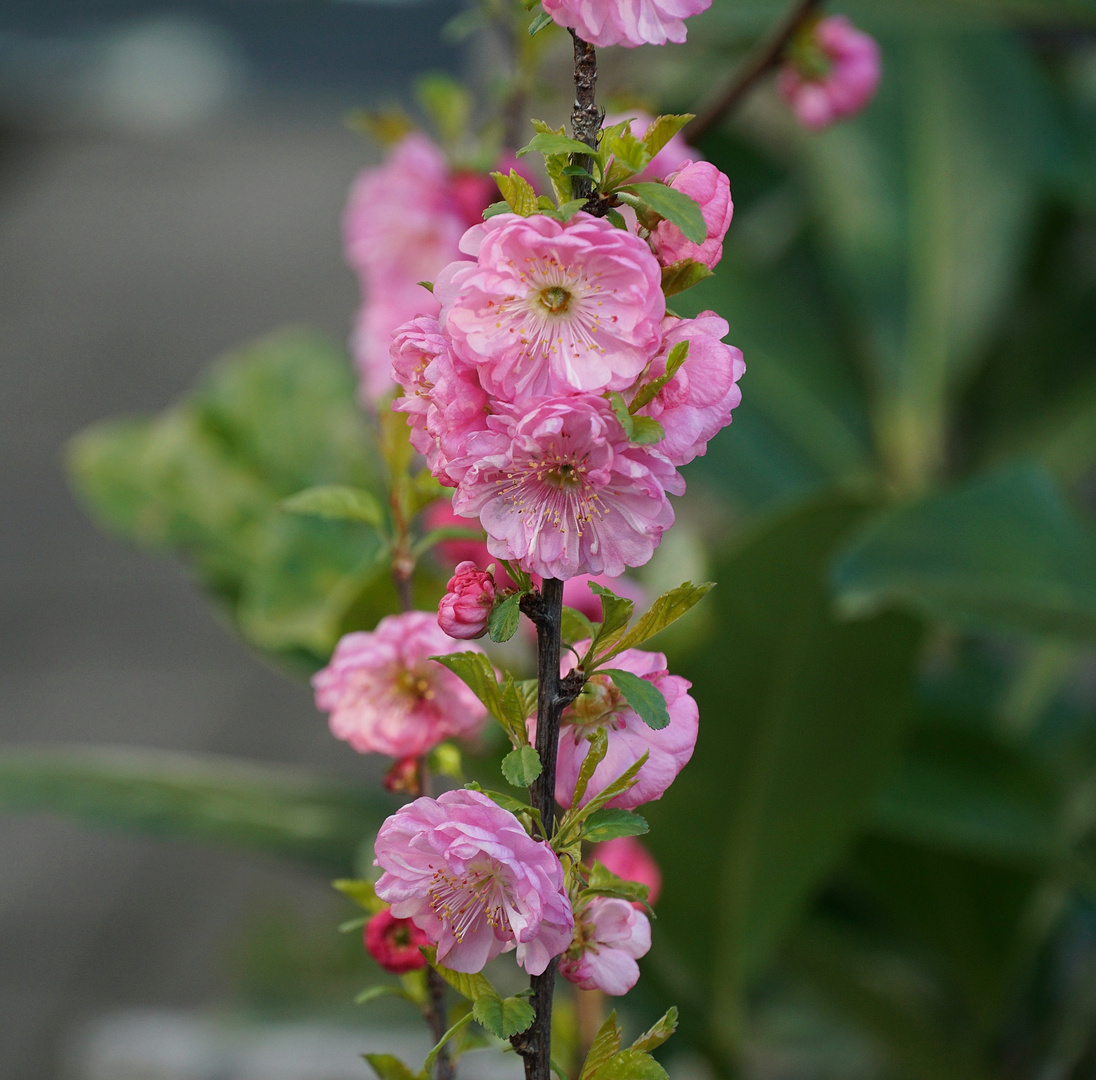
x=642, y=695
x=599, y=747
x=213, y=800
x=428, y=1064
x=603, y=882
x=617, y=787
x=388, y=1067
x=662, y=129
x=616, y=612
x=576, y=627
x=517, y=191
x=338, y=502
x=507, y=802
x=448, y=103
x=549, y=143
x=496, y=208
x=372, y=993
x=631, y=1065
x=679, y=276
x=478, y=674
x=470, y=986
x=658, y=1033
x=664, y=612
x=541, y=20
x=606, y=1043
x=803, y=713
x=608, y=824
x=503, y=1017
x=647, y=393
x=521, y=766
x=1004, y=552
x=362, y=893
x=645, y=431
x=675, y=206
x=504, y=617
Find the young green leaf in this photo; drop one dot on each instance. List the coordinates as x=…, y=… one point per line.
x=477, y=673
x=643, y=696
x=362, y=893
x=657, y=1034
x=517, y=191
x=606, y=1043
x=679, y=276
x=631, y=1065
x=621, y=784
x=602, y=879
x=675, y=206
x=496, y=208
x=470, y=986
x=646, y=431
x=388, y=1067
x=503, y=620
x=374, y=992
x=353, y=924
x=662, y=129
x=649, y=391
x=617, y=219
x=337, y=501
x=568, y=209
x=521, y=766
x=615, y=614
x=623, y=413
x=548, y=142
x=576, y=627
x=508, y=802
x=539, y=23
x=428, y=1064
x=503, y=1017
x=599, y=747
x=667, y=609
x=609, y=823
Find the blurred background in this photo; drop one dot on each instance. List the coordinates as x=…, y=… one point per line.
x=880, y=862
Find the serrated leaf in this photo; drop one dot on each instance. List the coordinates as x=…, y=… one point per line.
x=504, y=617
x=606, y=1043
x=631, y=1065
x=517, y=191
x=679, y=276
x=599, y=747
x=617, y=219
x=642, y=696
x=621, y=784
x=662, y=129
x=496, y=208
x=521, y=766
x=503, y=1017
x=539, y=23
x=568, y=209
x=338, y=502
x=549, y=143
x=649, y=391
x=389, y=1067
x=362, y=893
x=623, y=413
x=576, y=627
x=470, y=986
x=478, y=674
x=616, y=612
x=658, y=1033
x=610, y=823
x=675, y=206
x=665, y=611
x=645, y=431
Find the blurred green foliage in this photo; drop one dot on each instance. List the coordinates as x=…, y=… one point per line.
x=889, y=825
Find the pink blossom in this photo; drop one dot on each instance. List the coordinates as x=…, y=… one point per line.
x=832, y=72
x=697, y=402
x=626, y=22
x=711, y=189
x=467, y=874
x=626, y=857
x=610, y=935
x=673, y=156
x=396, y=944
x=386, y=696
x=467, y=602
x=601, y=705
x=552, y=308
x=562, y=491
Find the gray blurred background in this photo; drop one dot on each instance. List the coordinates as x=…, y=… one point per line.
x=171, y=181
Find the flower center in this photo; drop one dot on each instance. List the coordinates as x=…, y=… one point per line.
x=597, y=706
x=415, y=684
x=564, y=476
x=461, y=901
x=554, y=298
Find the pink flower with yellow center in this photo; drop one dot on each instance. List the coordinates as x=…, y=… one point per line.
x=610, y=935
x=626, y=22
x=549, y=308
x=386, y=696
x=467, y=874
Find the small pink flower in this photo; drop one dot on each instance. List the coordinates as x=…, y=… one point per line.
x=562, y=491
x=467, y=874
x=629, y=859
x=552, y=308
x=386, y=696
x=696, y=403
x=832, y=72
x=396, y=944
x=467, y=602
x=711, y=189
x=610, y=935
x=601, y=705
x=626, y=22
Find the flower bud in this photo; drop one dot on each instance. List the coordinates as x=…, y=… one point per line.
x=711, y=190
x=467, y=603
x=395, y=943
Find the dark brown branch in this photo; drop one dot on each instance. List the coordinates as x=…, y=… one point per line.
x=585, y=116
x=767, y=55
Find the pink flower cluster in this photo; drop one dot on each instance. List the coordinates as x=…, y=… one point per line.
x=832, y=72
x=508, y=391
x=626, y=22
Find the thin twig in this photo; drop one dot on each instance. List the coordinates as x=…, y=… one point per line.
x=767, y=55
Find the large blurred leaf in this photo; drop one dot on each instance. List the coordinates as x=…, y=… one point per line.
x=205, y=478
x=219, y=800
x=1004, y=552
x=799, y=719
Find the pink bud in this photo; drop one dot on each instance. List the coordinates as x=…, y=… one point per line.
x=711, y=189
x=467, y=602
x=404, y=778
x=395, y=943
x=629, y=859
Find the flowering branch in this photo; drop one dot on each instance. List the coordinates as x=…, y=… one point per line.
x=764, y=58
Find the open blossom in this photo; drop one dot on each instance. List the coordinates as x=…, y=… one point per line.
x=696, y=403
x=562, y=491
x=626, y=22
x=396, y=944
x=711, y=190
x=832, y=72
x=467, y=602
x=601, y=705
x=626, y=857
x=386, y=696
x=467, y=874
x=610, y=935
x=552, y=308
